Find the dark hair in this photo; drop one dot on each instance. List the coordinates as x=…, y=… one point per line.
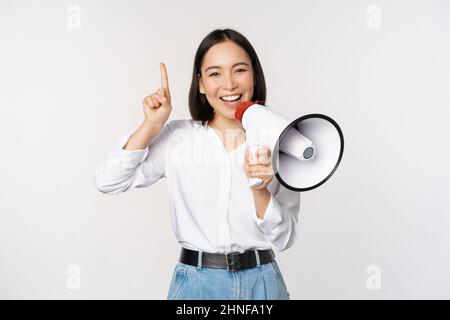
x=199, y=107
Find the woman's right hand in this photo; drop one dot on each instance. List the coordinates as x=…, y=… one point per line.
x=157, y=106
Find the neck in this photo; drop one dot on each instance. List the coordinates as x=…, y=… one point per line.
x=222, y=124
x=230, y=131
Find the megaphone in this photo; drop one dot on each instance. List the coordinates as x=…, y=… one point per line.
x=305, y=152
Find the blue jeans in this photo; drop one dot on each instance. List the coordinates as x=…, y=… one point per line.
x=264, y=282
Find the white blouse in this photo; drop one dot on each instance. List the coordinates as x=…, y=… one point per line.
x=211, y=204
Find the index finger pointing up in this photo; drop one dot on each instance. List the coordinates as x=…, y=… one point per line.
x=164, y=77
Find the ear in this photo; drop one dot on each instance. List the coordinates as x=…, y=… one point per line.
x=200, y=86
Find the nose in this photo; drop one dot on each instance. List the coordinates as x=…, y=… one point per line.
x=229, y=82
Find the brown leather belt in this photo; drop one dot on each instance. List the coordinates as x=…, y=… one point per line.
x=233, y=261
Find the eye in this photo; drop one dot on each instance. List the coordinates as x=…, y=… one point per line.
x=213, y=74
x=240, y=70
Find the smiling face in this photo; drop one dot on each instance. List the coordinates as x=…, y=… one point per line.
x=226, y=78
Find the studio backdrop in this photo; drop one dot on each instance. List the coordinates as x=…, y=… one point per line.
x=73, y=75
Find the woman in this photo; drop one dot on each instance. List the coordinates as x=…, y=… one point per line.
x=226, y=229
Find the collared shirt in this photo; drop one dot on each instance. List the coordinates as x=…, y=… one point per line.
x=211, y=204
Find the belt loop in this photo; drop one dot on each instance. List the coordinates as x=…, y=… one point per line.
x=199, y=261
x=258, y=262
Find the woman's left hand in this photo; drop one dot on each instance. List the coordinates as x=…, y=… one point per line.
x=259, y=165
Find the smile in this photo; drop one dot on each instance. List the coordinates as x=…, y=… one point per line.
x=231, y=98
x=232, y=101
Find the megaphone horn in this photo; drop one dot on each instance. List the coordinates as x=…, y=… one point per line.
x=305, y=152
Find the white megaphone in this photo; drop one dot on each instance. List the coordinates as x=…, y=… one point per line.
x=305, y=152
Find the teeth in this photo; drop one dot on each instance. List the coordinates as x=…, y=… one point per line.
x=230, y=98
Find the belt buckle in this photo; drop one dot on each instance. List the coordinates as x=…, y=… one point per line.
x=232, y=263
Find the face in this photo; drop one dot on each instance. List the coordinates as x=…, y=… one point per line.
x=226, y=78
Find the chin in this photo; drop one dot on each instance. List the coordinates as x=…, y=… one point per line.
x=227, y=114
x=230, y=115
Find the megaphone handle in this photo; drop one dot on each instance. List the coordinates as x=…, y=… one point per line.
x=254, y=182
x=253, y=147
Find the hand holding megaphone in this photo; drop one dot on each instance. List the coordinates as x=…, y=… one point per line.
x=258, y=166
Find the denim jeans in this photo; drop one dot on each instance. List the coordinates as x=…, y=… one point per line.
x=264, y=282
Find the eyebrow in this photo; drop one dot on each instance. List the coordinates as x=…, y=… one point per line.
x=234, y=65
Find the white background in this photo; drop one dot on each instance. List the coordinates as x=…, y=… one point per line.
x=66, y=96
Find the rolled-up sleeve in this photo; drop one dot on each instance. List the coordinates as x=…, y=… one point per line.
x=280, y=223
x=123, y=170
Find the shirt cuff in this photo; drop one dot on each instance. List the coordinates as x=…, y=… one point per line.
x=130, y=159
x=272, y=216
